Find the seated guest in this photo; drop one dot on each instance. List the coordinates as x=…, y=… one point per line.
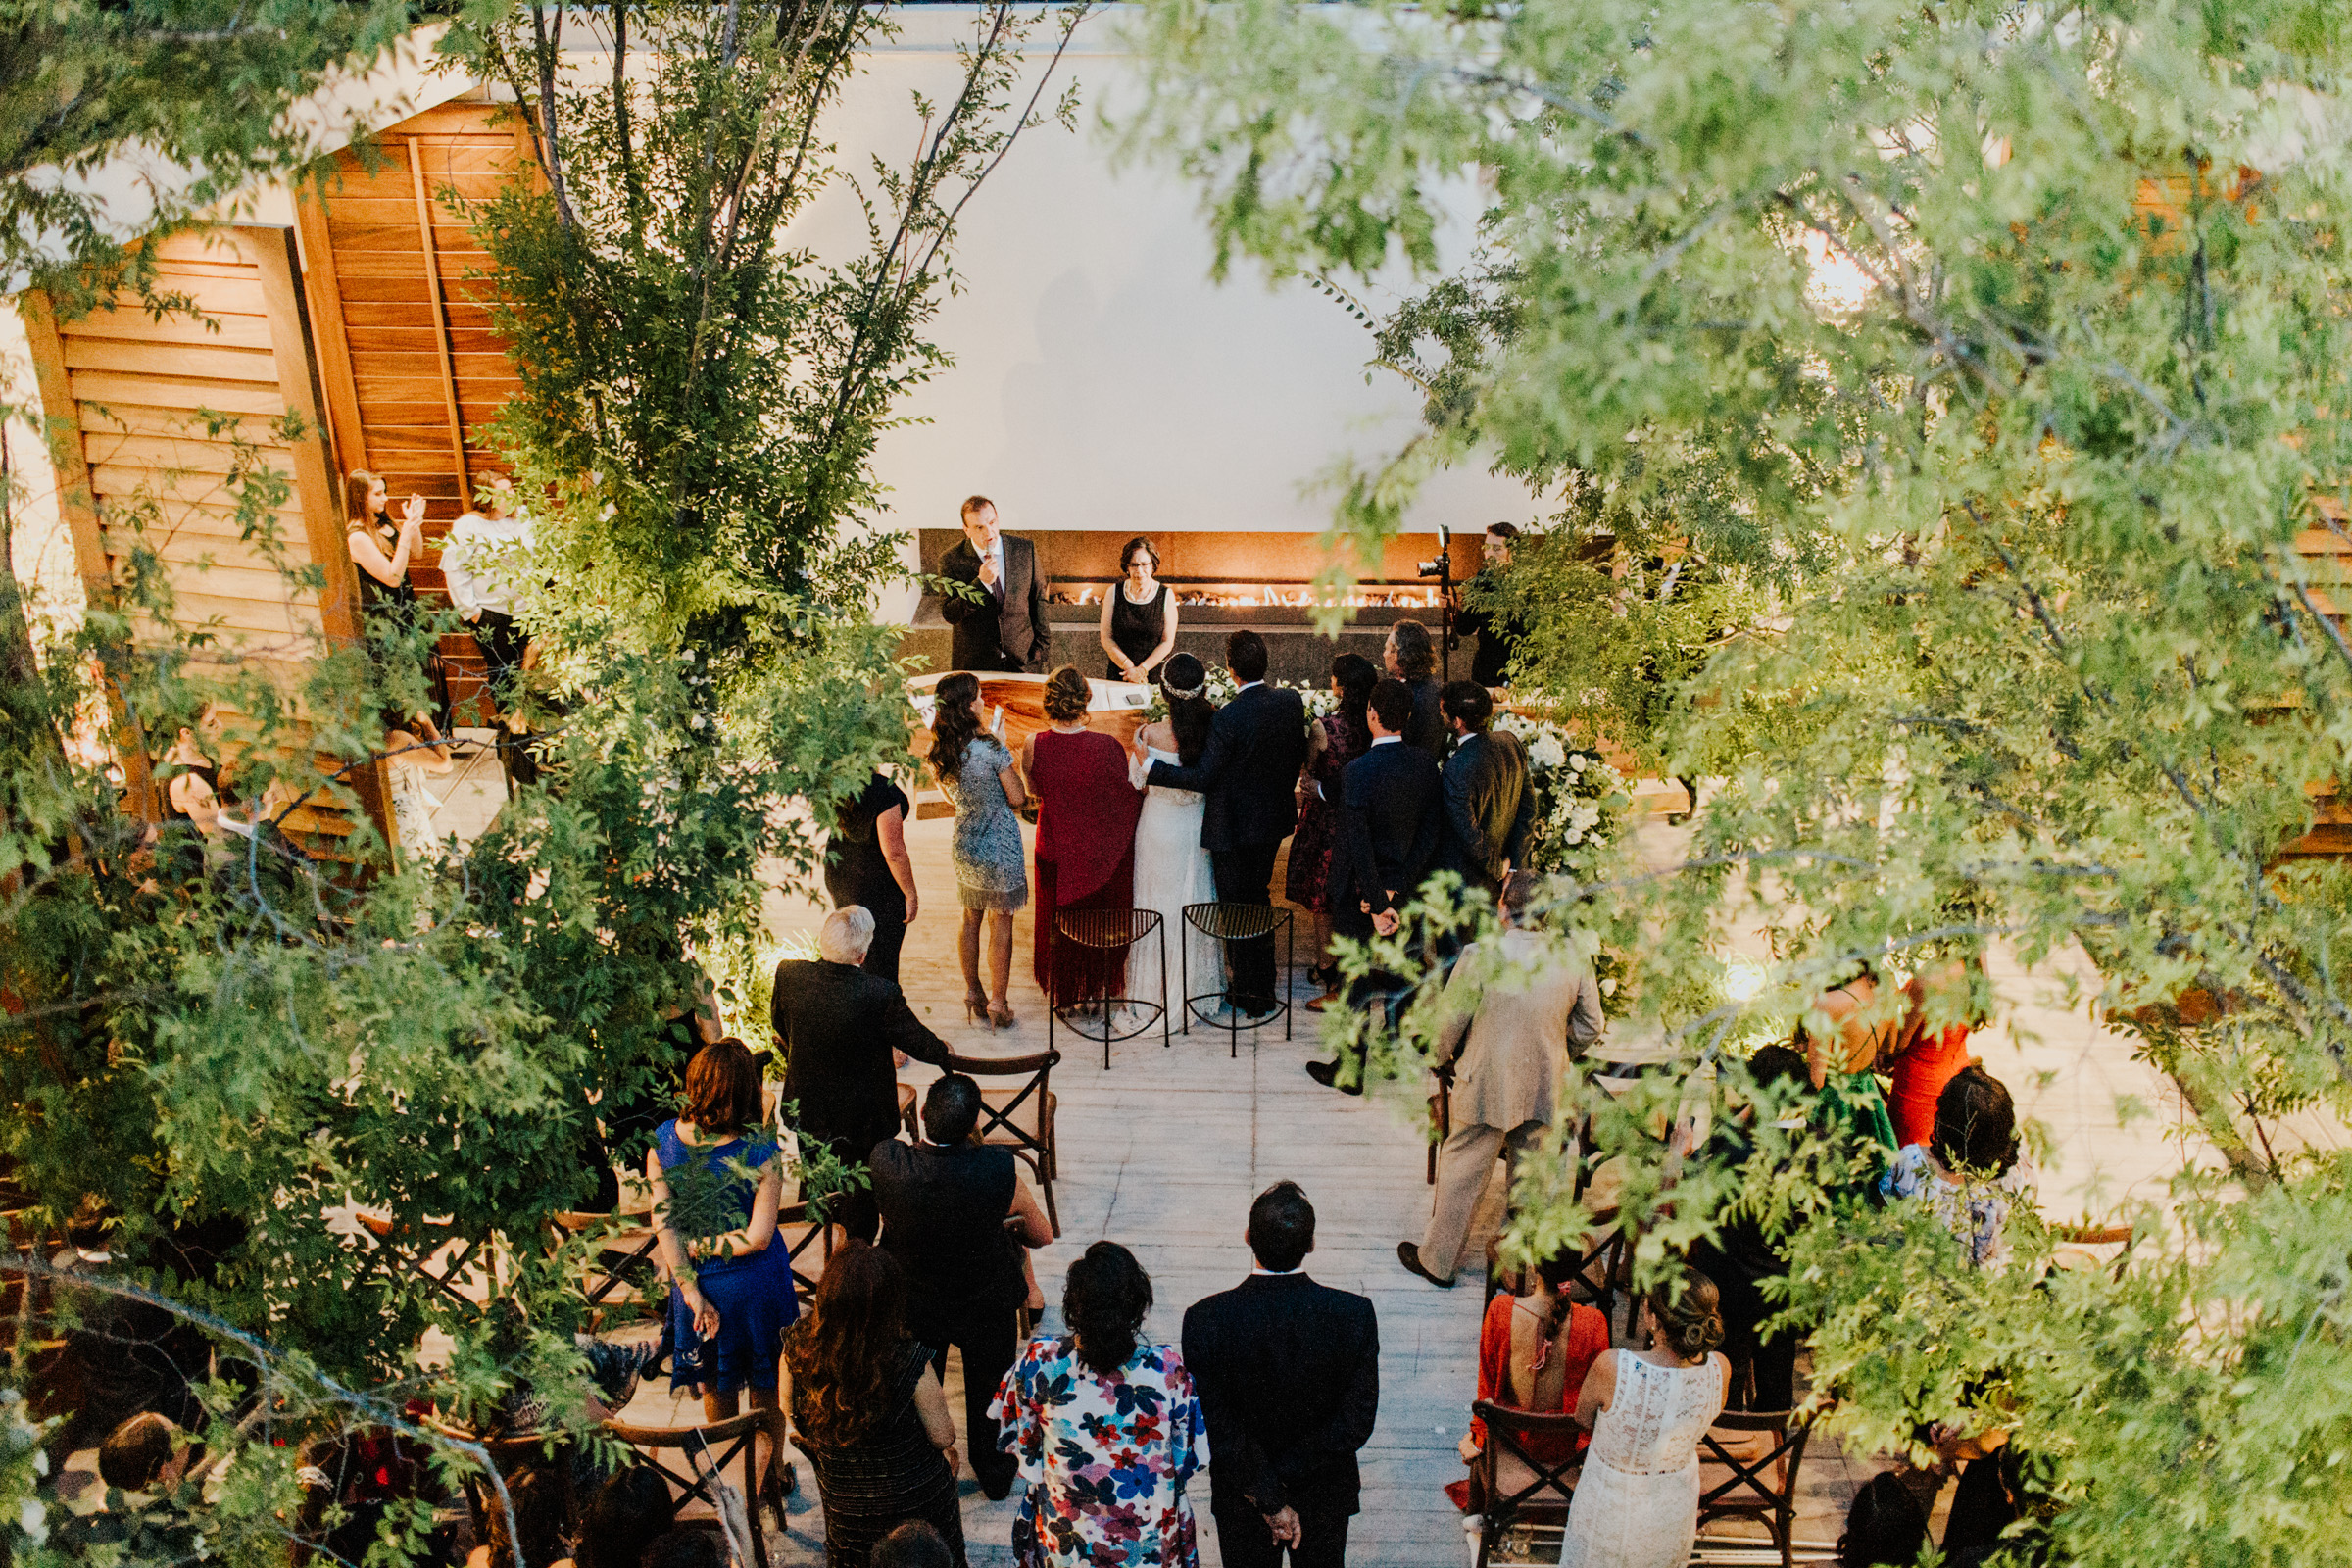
x=1741, y=1257
x=1515, y=1009
x=1885, y=1526
x=1637, y=1499
x=630, y=1511
x=1086, y=811
x=138, y=1455
x=1106, y=1428
x=1389, y=822
x=868, y=1411
x=956, y=1214
x=1968, y=1171
x=1489, y=792
x=914, y=1545
x=1289, y=1373
x=845, y=1033
x=1533, y=1353
x=732, y=1298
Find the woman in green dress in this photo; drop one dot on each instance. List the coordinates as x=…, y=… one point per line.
x=1844, y=1062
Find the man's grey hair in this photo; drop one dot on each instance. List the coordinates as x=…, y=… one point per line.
x=848, y=933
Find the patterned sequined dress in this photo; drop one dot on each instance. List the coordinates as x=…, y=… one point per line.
x=990, y=866
x=1105, y=1458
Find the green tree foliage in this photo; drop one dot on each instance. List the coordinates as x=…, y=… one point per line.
x=2017, y=332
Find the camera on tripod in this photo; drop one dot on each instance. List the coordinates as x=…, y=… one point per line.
x=1442, y=568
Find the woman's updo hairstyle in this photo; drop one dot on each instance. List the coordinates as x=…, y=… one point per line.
x=1104, y=1302
x=1690, y=1324
x=1068, y=695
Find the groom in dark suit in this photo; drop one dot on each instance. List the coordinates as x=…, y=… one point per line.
x=1250, y=774
x=1006, y=628
x=1289, y=1376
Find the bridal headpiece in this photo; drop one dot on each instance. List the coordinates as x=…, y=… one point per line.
x=1185, y=692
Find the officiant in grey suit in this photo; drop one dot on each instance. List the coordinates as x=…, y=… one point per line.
x=1006, y=628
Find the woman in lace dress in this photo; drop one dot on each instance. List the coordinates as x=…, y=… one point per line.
x=982, y=778
x=1171, y=868
x=1637, y=1503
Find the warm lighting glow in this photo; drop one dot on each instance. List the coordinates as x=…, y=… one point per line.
x=1837, y=285
x=1741, y=980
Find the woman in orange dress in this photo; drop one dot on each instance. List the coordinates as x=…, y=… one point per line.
x=1533, y=1353
x=1925, y=1059
x=1086, y=810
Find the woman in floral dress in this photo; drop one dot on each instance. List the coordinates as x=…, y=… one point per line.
x=1106, y=1429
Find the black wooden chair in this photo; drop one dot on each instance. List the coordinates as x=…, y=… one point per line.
x=690, y=1458
x=1757, y=1455
x=1520, y=1492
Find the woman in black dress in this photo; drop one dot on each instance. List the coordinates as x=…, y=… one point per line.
x=867, y=863
x=1139, y=615
x=868, y=1411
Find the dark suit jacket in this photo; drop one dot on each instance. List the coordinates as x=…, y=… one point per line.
x=1289, y=1376
x=1490, y=808
x=1248, y=771
x=1389, y=819
x=988, y=636
x=838, y=1026
x=1426, y=729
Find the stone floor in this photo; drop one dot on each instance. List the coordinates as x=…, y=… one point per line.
x=1164, y=1150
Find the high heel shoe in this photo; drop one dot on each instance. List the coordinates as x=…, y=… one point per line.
x=975, y=1005
x=1001, y=1016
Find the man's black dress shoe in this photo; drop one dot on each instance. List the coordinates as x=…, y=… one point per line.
x=1327, y=1073
x=1410, y=1255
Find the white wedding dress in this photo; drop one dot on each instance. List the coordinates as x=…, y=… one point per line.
x=1171, y=870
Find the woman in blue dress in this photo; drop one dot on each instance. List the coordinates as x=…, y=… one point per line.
x=717, y=1191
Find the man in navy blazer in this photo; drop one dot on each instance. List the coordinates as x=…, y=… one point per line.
x=1249, y=773
x=1289, y=1376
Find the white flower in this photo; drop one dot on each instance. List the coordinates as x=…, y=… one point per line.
x=33, y=1520
x=1547, y=752
x=1577, y=763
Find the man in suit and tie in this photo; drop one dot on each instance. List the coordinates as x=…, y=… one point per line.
x=1004, y=629
x=1490, y=796
x=845, y=1033
x=1516, y=1008
x=1249, y=773
x=1389, y=819
x=1289, y=1376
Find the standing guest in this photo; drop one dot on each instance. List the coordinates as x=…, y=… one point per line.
x=1005, y=629
x=1138, y=616
x=1388, y=823
x=1968, y=1171
x=1636, y=1502
x=1106, y=1429
x=1514, y=1011
x=1534, y=1351
x=1743, y=1259
x=1249, y=773
x=1289, y=1372
x=1484, y=617
x=1844, y=1060
x=867, y=864
x=732, y=1299
x=957, y=1214
x=1924, y=1060
x=414, y=743
x=486, y=562
x=1086, y=809
x=868, y=1411
x=914, y=1545
x=979, y=775
x=1172, y=871
x=1490, y=795
x=1333, y=741
x=1409, y=658
x=844, y=1032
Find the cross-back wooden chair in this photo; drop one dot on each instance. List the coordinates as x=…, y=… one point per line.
x=1019, y=1116
x=1522, y=1493
x=672, y=1451
x=622, y=1268
x=525, y=1464
x=1757, y=1454
x=430, y=1251
x=807, y=1243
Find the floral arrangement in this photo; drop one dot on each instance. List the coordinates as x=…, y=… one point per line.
x=1223, y=688
x=1581, y=799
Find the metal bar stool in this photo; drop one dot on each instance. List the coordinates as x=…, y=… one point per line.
x=1104, y=931
x=1226, y=924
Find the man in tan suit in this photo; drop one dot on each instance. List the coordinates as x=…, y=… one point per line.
x=1514, y=1008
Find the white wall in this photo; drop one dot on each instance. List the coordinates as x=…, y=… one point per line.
x=1102, y=380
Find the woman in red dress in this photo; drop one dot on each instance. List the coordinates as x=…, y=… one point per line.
x=1086, y=809
x=1533, y=1353
x=1925, y=1059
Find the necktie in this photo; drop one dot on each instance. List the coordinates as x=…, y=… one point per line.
x=997, y=587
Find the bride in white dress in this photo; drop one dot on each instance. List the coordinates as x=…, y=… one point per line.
x=1636, y=1502
x=1171, y=868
